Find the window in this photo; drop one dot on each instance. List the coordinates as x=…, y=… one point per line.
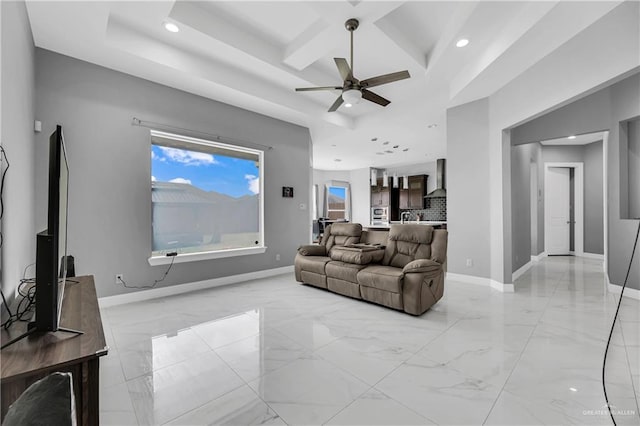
x=337, y=202
x=206, y=198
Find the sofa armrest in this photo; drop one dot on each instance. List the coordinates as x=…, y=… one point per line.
x=312, y=250
x=423, y=266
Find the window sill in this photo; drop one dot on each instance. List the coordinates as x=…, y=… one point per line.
x=195, y=257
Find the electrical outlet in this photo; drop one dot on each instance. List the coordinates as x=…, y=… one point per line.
x=119, y=278
x=277, y=257
x=469, y=263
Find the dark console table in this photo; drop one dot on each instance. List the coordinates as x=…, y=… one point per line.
x=38, y=355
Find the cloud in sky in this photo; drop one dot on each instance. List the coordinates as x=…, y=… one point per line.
x=181, y=180
x=156, y=157
x=153, y=178
x=188, y=158
x=254, y=183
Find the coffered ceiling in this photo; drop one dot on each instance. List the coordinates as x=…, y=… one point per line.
x=253, y=54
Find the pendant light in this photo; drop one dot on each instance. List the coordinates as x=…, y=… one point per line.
x=405, y=182
x=395, y=180
x=385, y=179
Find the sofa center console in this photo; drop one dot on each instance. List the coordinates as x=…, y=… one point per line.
x=358, y=254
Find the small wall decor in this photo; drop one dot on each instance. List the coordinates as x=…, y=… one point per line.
x=287, y=192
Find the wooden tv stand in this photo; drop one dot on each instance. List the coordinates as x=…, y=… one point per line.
x=40, y=354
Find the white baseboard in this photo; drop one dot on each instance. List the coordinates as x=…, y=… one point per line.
x=470, y=279
x=138, y=296
x=592, y=256
x=524, y=268
x=631, y=293
x=538, y=257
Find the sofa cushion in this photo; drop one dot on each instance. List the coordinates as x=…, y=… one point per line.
x=382, y=277
x=343, y=271
x=406, y=243
x=342, y=234
x=314, y=264
x=359, y=254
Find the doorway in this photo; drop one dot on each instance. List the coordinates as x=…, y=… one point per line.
x=560, y=219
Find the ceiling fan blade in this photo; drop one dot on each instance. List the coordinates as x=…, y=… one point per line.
x=377, y=99
x=309, y=89
x=384, y=79
x=343, y=68
x=336, y=104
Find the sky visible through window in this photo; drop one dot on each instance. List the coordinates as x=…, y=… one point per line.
x=338, y=191
x=231, y=176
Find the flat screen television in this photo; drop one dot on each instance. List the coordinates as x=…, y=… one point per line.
x=51, y=244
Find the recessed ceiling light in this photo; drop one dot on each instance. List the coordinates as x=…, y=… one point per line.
x=573, y=389
x=389, y=152
x=385, y=143
x=337, y=160
x=396, y=146
x=374, y=139
x=572, y=137
x=405, y=150
x=333, y=144
x=431, y=126
x=171, y=27
x=462, y=42
x=379, y=153
x=348, y=105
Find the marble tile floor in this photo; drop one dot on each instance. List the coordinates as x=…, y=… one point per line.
x=272, y=351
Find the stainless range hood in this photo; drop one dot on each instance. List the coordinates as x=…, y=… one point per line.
x=441, y=190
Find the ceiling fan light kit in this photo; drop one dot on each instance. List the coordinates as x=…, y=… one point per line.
x=353, y=90
x=351, y=97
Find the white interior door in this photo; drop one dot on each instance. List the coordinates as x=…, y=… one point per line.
x=557, y=206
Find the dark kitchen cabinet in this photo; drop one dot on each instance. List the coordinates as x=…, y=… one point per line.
x=380, y=195
x=413, y=198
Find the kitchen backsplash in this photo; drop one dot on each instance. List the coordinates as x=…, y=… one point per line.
x=436, y=210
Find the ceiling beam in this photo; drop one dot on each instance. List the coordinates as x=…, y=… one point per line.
x=219, y=28
x=540, y=28
x=328, y=31
x=460, y=16
x=251, y=93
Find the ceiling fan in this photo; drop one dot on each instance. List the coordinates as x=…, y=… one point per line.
x=353, y=90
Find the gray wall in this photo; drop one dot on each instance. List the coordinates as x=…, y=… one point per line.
x=593, y=198
x=17, y=138
x=602, y=110
x=522, y=156
x=468, y=220
x=110, y=191
x=633, y=142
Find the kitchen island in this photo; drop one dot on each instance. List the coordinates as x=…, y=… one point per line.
x=384, y=227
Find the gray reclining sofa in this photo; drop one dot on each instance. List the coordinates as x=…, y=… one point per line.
x=402, y=268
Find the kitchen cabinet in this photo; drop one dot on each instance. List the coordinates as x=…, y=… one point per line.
x=380, y=195
x=413, y=198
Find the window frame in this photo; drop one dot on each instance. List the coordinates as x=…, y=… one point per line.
x=209, y=254
x=347, y=199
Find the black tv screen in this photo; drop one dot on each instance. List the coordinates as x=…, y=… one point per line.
x=51, y=244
